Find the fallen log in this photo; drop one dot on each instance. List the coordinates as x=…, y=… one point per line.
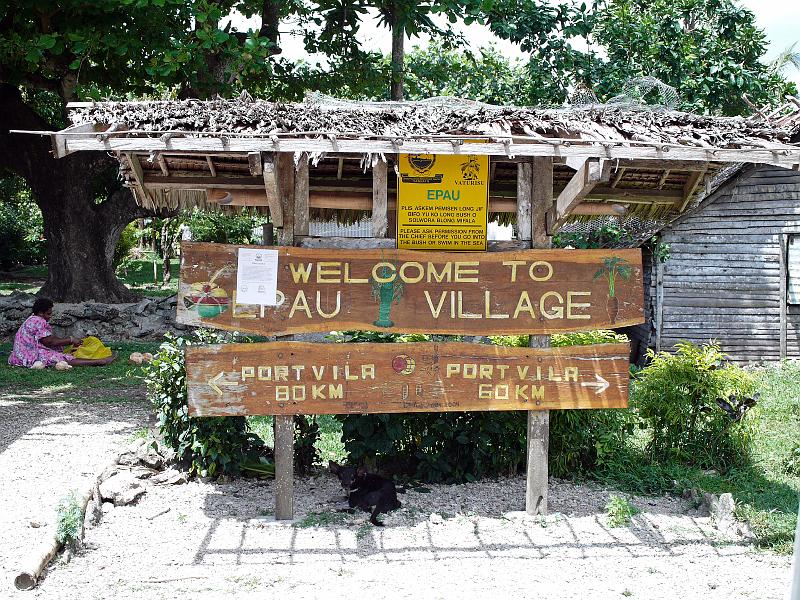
x=35, y=563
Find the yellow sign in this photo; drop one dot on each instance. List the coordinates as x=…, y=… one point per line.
x=442, y=201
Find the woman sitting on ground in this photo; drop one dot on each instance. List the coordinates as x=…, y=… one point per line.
x=35, y=342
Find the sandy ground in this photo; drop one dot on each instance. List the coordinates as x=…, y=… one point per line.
x=210, y=540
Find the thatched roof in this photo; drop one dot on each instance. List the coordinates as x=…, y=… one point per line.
x=437, y=117
x=657, y=162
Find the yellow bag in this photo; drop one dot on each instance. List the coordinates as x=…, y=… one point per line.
x=91, y=347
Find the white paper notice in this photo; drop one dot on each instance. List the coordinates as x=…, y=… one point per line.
x=257, y=277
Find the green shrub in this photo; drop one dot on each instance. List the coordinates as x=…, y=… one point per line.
x=210, y=445
x=587, y=338
x=693, y=403
x=21, y=231
x=464, y=446
x=69, y=518
x=620, y=512
x=447, y=447
x=208, y=226
x=127, y=240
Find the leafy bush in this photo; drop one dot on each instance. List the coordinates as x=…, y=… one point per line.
x=207, y=226
x=620, y=511
x=21, y=230
x=457, y=447
x=586, y=338
x=126, y=243
x=445, y=447
x=693, y=403
x=69, y=517
x=211, y=445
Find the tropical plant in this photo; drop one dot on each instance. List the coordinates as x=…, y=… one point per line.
x=693, y=403
x=209, y=445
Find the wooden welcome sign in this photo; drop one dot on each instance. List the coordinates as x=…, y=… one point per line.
x=531, y=291
x=302, y=378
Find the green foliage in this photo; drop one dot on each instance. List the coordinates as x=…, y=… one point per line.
x=587, y=338
x=21, y=232
x=680, y=398
x=127, y=241
x=487, y=76
x=620, y=512
x=438, y=447
x=457, y=447
x=69, y=519
x=207, y=226
x=306, y=436
x=210, y=445
x=582, y=441
x=710, y=51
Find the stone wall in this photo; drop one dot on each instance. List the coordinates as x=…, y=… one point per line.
x=148, y=319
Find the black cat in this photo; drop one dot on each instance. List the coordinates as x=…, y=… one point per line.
x=371, y=493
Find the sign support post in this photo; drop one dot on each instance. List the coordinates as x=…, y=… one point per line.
x=293, y=193
x=535, y=197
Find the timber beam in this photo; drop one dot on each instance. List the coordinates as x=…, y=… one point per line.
x=592, y=172
x=70, y=140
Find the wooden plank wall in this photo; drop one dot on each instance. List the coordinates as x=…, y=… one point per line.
x=723, y=278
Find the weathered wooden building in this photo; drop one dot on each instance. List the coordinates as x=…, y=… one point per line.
x=733, y=270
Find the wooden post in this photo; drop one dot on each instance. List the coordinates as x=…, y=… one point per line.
x=659, y=307
x=380, y=221
x=524, y=182
x=301, y=216
x=284, y=176
x=784, y=240
x=536, y=181
x=284, y=468
x=289, y=194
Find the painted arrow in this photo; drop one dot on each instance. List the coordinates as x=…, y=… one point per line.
x=215, y=382
x=601, y=384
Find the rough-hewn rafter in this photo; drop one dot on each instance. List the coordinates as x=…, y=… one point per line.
x=591, y=173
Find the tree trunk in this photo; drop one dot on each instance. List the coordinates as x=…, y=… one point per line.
x=81, y=231
x=398, y=58
x=81, y=236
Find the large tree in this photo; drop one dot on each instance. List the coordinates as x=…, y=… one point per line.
x=56, y=52
x=710, y=51
x=339, y=22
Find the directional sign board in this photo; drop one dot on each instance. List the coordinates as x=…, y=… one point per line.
x=523, y=292
x=301, y=378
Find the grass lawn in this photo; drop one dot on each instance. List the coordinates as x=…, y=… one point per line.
x=766, y=490
x=136, y=274
x=119, y=381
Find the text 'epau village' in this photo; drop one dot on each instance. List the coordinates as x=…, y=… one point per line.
x=436, y=322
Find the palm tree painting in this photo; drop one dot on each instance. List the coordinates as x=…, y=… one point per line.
x=613, y=267
x=386, y=293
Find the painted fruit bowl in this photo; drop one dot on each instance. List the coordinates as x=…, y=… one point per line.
x=208, y=298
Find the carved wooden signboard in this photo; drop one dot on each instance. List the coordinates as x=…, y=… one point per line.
x=301, y=378
x=531, y=291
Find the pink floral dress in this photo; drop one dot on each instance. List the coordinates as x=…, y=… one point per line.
x=27, y=347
